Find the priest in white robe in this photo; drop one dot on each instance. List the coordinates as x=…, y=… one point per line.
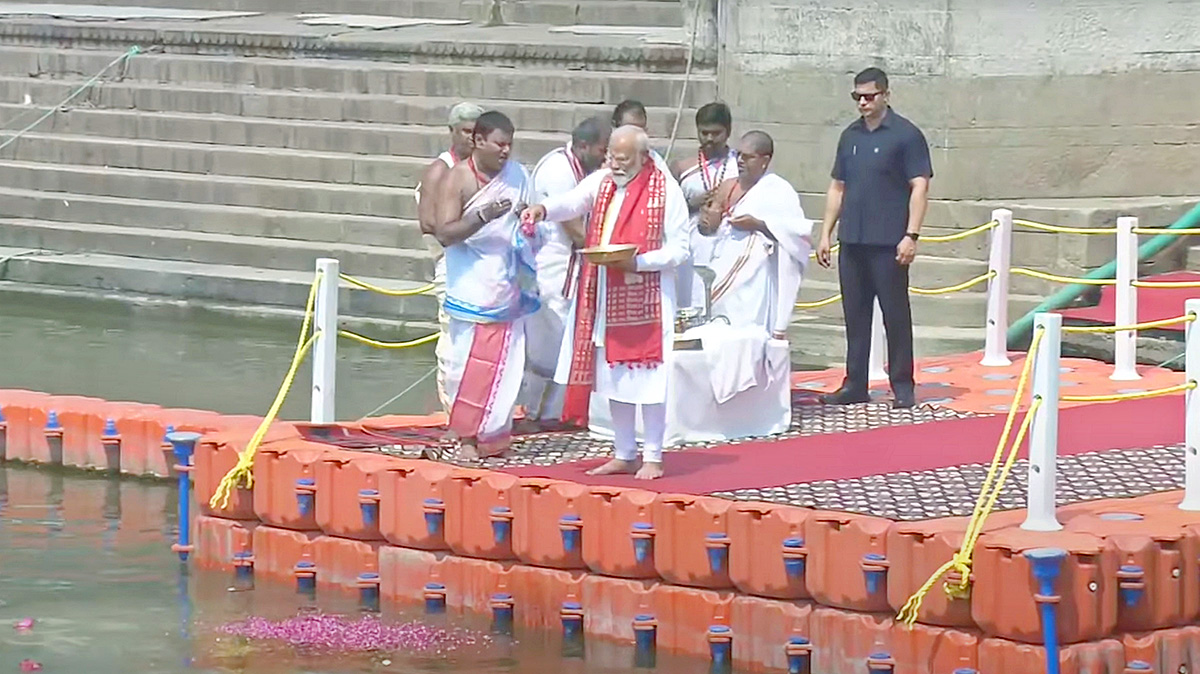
x=621, y=327
x=761, y=242
x=557, y=173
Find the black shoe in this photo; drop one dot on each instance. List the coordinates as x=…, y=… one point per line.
x=845, y=396
x=904, y=401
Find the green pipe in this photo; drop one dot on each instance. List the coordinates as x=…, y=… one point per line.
x=1018, y=332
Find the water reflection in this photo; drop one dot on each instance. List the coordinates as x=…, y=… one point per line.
x=108, y=596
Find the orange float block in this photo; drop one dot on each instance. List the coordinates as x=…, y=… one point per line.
x=1003, y=592
x=845, y=641
x=686, y=614
x=611, y=604
x=540, y=594
x=141, y=436
x=1106, y=656
x=762, y=629
x=918, y=549
x=285, y=484
x=278, y=551
x=216, y=454
x=691, y=546
x=20, y=429
x=404, y=573
x=412, y=504
x=348, y=484
x=218, y=540
x=847, y=560
x=471, y=583
x=160, y=462
x=1171, y=650
x=82, y=421
x=340, y=561
x=767, y=549
x=1158, y=577
x=479, y=514
x=619, y=536
x=547, y=523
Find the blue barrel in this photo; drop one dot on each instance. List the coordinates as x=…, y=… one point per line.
x=502, y=613
x=645, y=640
x=794, y=558
x=435, y=516
x=243, y=568
x=717, y=545
x=643, y=541
x=501, y=524
x=368, y=591
x=571, y=526
x=435, y=598
x=306, y=577
x=799, y=656
x=368, y=503
x=720, y=649
x=305, y=497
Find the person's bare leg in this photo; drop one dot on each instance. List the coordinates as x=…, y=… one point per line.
x=654, y=421
x=624, y=418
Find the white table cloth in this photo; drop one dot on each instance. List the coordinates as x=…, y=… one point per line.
x=737, y=385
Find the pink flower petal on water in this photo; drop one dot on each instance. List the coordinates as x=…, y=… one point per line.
x=23, y=625
x=28, y=665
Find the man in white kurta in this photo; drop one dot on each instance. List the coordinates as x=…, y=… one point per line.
x=623, y=343
x=761, y=242
x=557, y=173
x=462, y=128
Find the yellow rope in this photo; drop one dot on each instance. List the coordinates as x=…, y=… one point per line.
x=943, y=238
x=832, y=249
x=1064, y=230
x=385, y=291
x=387, y=345
x=1170, y=232
x=954, y=288
x=1166, y=284
x=988, y=494
x=1132, y=396
x=819, y=303
x=242, y=472
x=1021, y=271
x=1148, y=325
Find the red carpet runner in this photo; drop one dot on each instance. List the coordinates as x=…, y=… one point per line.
x=1088, y=428
x=1154, y=304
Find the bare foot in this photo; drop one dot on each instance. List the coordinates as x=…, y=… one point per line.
x=649, y=471
x=614, y=467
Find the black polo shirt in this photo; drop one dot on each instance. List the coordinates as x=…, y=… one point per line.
x=876, y=167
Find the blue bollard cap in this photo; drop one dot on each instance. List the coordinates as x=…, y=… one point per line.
x=368, y=576
x=793, y=542
x=305, y=565
x=966, y=670
x=110, y=427
x=571, y=517
x=1139, y=666
x=242, y=555
x=798, y=641
x=874, y=557
x=643, y=617
x=502, y=596
x=572, y=606
x=1045, y=555
x=170, y=430
x=434, y=502
x=434, y=586
x=52, y=421
x=368, y=492
x=306, y=482
x=715, y=536
x=182, y=437
x=501, y=510
x=1131, y=568
x=719, y=629
x=642, y=526
x=881, y=655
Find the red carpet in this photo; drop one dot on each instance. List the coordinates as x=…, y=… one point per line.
x=1154, y=304
x=1122, y=425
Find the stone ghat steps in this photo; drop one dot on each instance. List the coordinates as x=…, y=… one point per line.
x=218, y=285
x=545, y=83
x=554, y=12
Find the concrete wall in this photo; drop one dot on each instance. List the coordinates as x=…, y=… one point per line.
x=1024, y=99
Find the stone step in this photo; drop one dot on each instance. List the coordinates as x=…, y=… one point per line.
x=222, y=160
x=1193, y=257
x=347, y=137
x=814, y=340
x=962, y=309
x=286, y=195
x=209, y=282
x=209, y=218
x=272, y=117
x=336, y=76
x=555, y=12
x=202, y=247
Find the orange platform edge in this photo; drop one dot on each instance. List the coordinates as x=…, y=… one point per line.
x=776, y=579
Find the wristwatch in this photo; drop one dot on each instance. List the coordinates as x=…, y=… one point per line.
x=912, y=235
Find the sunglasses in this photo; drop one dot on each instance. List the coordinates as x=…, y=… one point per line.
x=867, y=97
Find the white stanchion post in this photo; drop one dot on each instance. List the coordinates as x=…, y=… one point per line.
x=876, y=371
x=1043, y=431
x=325, y=325
x=995, y=331
x=1191, y=422
x=1125, y=341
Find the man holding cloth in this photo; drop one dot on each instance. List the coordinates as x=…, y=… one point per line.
x=621, y=326
x=490, y=287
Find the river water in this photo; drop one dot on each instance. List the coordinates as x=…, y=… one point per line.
x=88, y=559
